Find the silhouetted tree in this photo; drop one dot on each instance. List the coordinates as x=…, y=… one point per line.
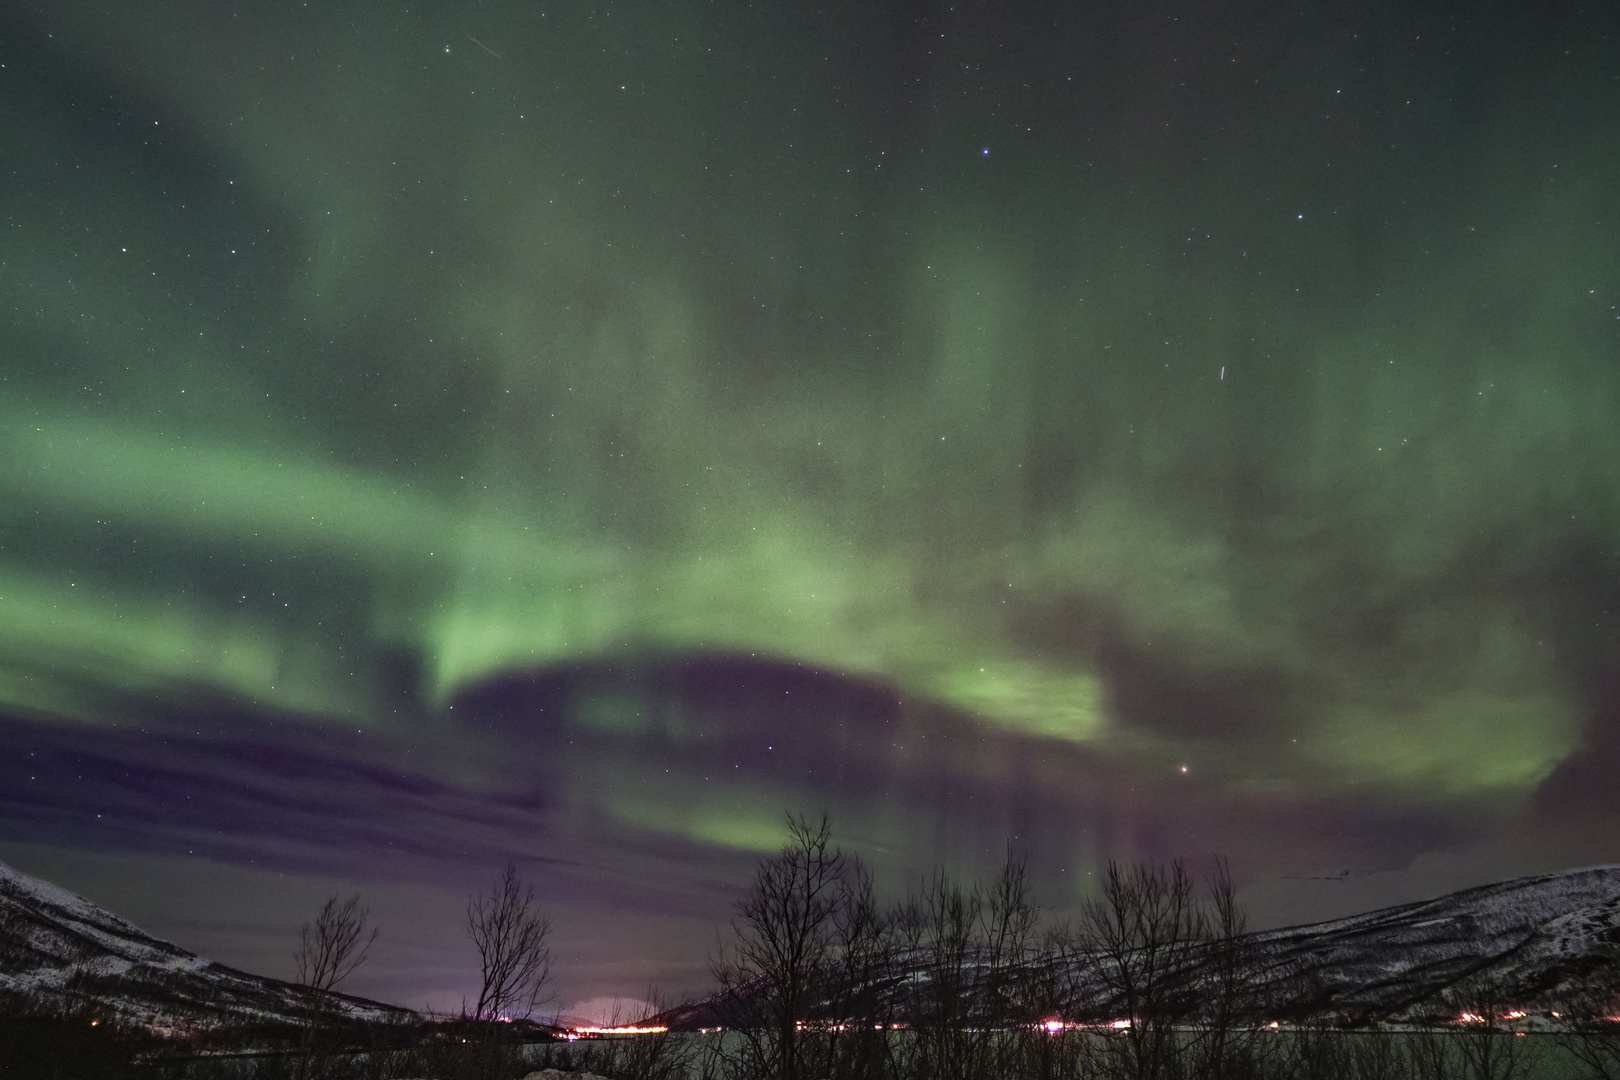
x=1323, y=1052
x=1585, y=1015
x=1007, y=1007
x=859, y=1014
x=1226, y=1041
x=980, y=1002
x=937, y=927
x=1144, y=934
x=329, y=949
x=512, y=936
x=1486, y=1046
x=786, y=930
x=1008, y=920
x=653, y=1056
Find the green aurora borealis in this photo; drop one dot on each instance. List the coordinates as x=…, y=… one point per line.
x=1093, y=393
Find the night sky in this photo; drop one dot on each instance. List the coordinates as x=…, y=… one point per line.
x=437, y=435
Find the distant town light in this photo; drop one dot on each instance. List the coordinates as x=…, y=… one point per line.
x=623, y=1029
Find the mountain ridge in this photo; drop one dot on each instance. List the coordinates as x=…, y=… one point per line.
x=59, y=949
x=1530, y=939
x=1527, y=940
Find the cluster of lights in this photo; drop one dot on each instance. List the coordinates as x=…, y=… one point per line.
x=623, y=1029
x=1475, y=1018
x=1057, y=1027
x=1051, y=1027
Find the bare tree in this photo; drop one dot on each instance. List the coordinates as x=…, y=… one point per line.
x=786, y=931
x=1226, y=1032
x=939, y=927
x=1012, y=999
x=658, y=1055
x=1144, y=934
x=1481, y=1031
x=329, y=949
x=511, y=935
x=984, y=991
x=1009, y=919
x=860, y=1015
x=1585, y=1020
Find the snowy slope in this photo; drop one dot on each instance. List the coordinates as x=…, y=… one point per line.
x=1531, y=937
x=1529, y=940
x=57, y=948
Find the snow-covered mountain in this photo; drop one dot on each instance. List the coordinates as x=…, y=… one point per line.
x=57, y=948
x=1530, y=938
x=1528, y=941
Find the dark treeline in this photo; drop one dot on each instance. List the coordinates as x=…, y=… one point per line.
x=1157, y=979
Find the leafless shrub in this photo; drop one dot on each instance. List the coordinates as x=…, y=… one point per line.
x=1587, y=1029
x=856, y=1011
x=512, y=936
x=936, y=927
x=659, y=1055
x=1481, y=1033
x=1144, y=935
x=1226, y=1040
x=989, y=984
x=785, y=942
x=329, y=949
x=332, y=946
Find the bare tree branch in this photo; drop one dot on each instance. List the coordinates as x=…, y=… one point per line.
x=511, y=935
x=1144, y=934
x=787, y=934
x=329, y=949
